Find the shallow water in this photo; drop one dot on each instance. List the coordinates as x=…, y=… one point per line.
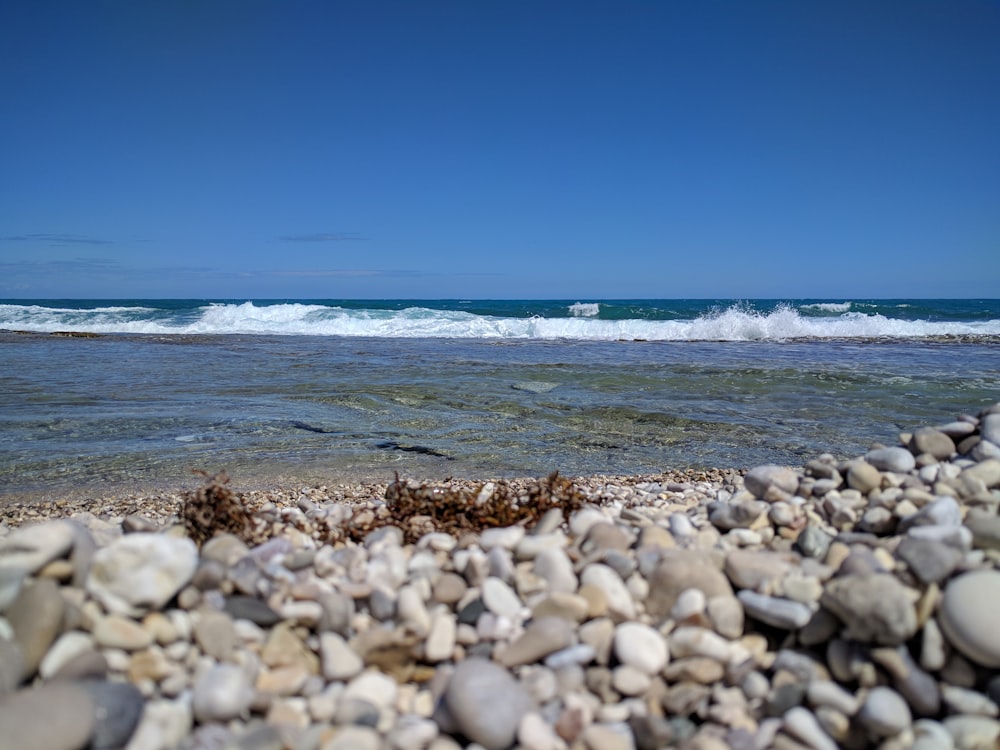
x=82, y=414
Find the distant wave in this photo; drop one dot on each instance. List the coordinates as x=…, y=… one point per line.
x=733, y=323
x=831, y=307
x=585, y=310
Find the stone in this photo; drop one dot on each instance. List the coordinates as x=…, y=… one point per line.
x=931, y=441
x=215, y=634
x=641, y=647
x=440, y=642
x=242, y=607
x=12, y=665
x=679, y=570
x=756, y=569
x=874, y=608
x=802, y=724
x=541, y=638
x=500, y=598
x=116, y=631
x=973, y=732
x=884, y=713
x=555, y=567
x=776, y=611
x=449, y=588
x=36, y=618
x=221, y=693
x=486, y=703
x=929, y=560
x=970, y=609
x=989, y=428
x=985, y=528
x=863, y=477
x=762, y=478
x=619, y=600
x=142, y=571
x=118, y=708
x=813, y=542
x=30, y=548
x=52, y=716
x=895, y=459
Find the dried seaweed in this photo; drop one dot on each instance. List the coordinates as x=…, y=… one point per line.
x=215, y=509
x=418, y=508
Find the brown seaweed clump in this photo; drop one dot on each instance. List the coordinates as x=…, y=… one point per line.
x=215, y=509
x=418, y=508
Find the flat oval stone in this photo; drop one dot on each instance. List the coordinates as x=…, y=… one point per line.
x=541, y=638
x=27, y=717
x=894, y=459
x=970, y=611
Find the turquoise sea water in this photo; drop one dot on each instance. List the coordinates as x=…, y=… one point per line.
x=320, y=391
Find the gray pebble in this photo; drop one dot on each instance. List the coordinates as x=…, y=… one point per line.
x=486, y=702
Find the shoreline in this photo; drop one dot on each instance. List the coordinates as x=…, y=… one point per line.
x=163, y=500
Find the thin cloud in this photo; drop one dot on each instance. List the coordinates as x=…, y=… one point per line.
x=56, y=239
x=322, y=237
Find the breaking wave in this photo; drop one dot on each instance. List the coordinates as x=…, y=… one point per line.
x=737, y=322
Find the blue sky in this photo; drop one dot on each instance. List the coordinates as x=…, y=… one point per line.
x=576, y=149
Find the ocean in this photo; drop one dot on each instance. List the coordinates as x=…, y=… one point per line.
x=100, y=396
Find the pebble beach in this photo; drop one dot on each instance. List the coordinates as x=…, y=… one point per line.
x=845, y=603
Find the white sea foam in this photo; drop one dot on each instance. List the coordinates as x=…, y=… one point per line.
x=585, y=309
x=833, y=307
x=736, y=323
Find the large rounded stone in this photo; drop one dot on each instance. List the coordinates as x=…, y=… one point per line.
x=932, y=441
x=487, y=703
x=875, y=608
x=139, y=572
x=970, y=611
x=762, y=478
x=894, y=459
x=53, y=716
x=679, y=570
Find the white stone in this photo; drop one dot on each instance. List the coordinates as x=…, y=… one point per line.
x=620, y=602
x=500, y=598
x=339, y=661
x=221, y=693
x=141, y=571
x=373, y=686
x=441, y=639
x=506, y=537
x=29, y=548
x=641, y=647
